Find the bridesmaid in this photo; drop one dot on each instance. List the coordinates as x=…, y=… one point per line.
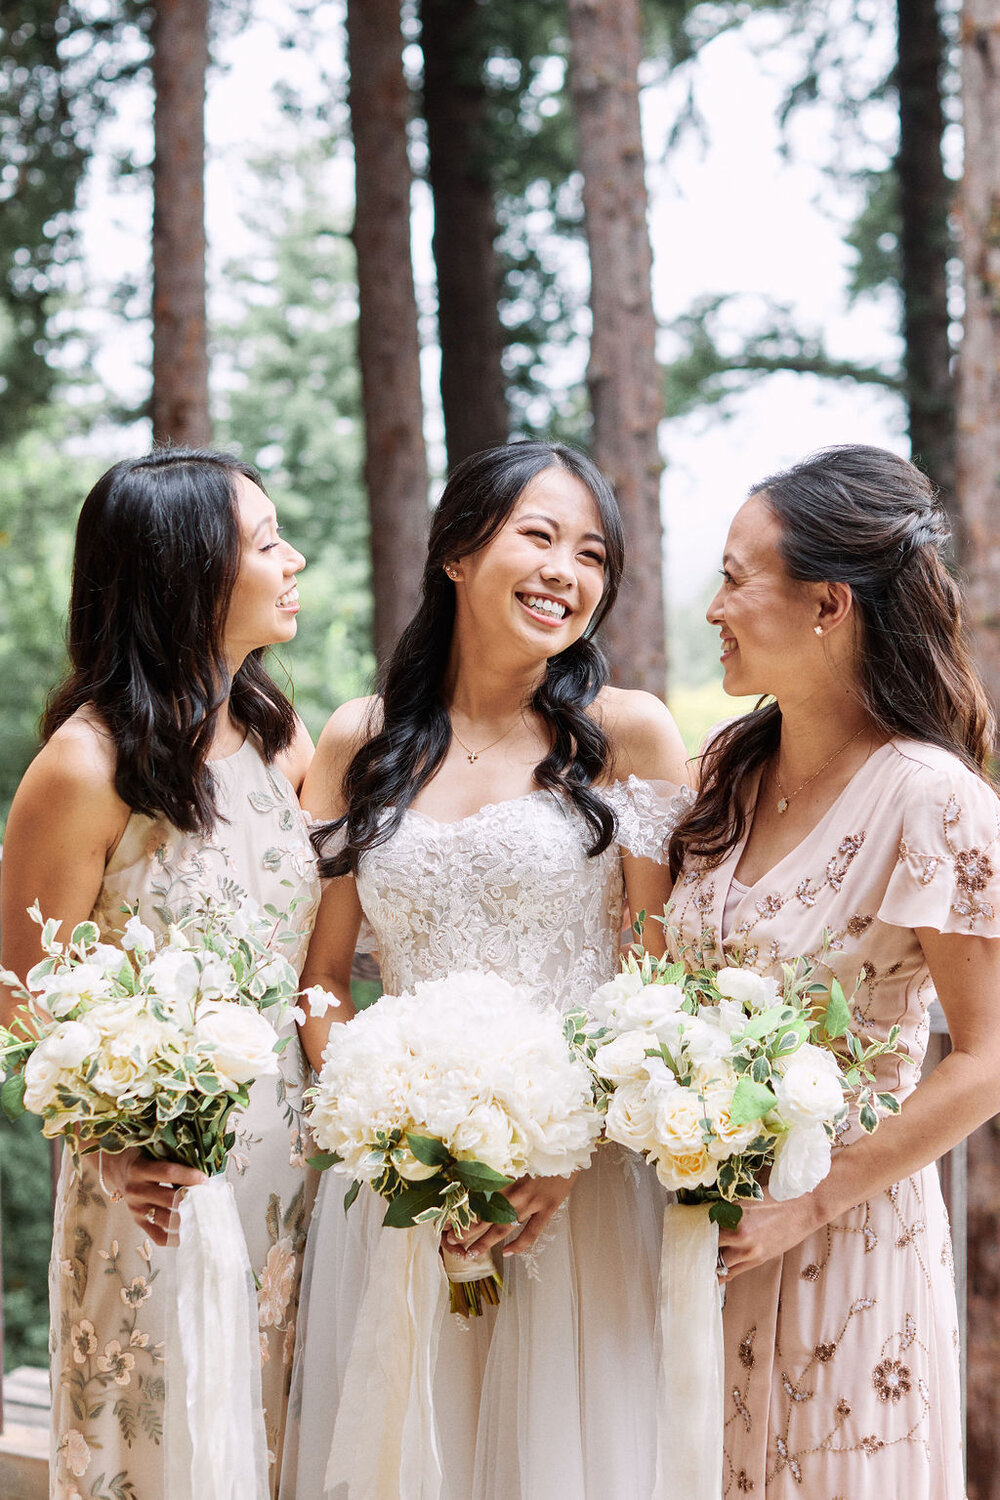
x=850, y=820
x=168, y=772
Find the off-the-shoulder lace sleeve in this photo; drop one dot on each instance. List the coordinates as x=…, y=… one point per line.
x=947, y=870
x=647, y=813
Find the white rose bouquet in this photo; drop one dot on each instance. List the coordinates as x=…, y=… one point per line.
x=724, y=1080
x=442, y=1098
x=147, y=1046
x=155, y=1047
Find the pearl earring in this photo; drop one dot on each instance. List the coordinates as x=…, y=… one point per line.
x=817, y=630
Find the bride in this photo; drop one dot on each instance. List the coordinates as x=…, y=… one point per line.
x=496, y=807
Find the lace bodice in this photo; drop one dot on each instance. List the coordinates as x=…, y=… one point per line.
x=511, y=889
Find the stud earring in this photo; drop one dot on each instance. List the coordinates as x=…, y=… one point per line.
x=452, y=572
x=817, y=630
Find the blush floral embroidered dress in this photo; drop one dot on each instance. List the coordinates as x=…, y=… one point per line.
x=108, y=1282
x=552, y=1393
x=842, y=1359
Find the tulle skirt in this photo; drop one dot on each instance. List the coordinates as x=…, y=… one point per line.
x=551, y=1394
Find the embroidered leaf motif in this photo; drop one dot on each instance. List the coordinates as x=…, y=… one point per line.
x=272, y=859
x=261, y=802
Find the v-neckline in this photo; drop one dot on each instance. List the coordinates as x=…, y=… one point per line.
x=750, y=886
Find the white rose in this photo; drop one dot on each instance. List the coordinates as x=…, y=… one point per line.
x=62, y=992
x=652, y=1008
x=138, y=935
x=242, y=1040
x=623, y=1057
x=686, y=1169
x=69, y=1043
x=630, y=1119
x=746, y=987
x=41, y=1074
x=408, y=1166
x=716, y=1085
x=809, y=1088
x=704, y=1041
x=677, y=1114
x=801, y=1161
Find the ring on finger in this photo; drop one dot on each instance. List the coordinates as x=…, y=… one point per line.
x=151, y=1215
x=722, y=1268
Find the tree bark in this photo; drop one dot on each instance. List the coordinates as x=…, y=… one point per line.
x=622, y=374
x=180, y=353
x=388, y=342
x=925, y=244
x=465, y=227
x=978, y=480
x=978, y=446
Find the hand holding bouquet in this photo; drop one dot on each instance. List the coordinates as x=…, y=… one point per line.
x=442, y=1098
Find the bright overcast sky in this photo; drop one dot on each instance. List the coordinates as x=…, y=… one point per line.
x=727, y=215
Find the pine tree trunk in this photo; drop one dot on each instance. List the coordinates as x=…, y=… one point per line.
x=388, y=343
x=180, y=354
x=978, y=475
x=623, y=375
x=978, y=447
x=925, y=244
x=465, y=227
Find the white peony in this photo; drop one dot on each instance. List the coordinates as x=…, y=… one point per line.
x=747, y=988
x=242, y=1042
x=809, y=1088
x=487, y=1135
x=801, y=1161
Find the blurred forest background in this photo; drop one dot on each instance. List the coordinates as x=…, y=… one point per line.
x=696, y=237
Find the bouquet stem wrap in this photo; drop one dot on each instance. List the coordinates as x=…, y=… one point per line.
x=692, y=1363
x=214, y=1444
x=385, y=1442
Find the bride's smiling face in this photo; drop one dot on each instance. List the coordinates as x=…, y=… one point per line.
x=540, y=579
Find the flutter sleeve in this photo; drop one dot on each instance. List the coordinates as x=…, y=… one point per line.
x=647, y=813
x=947, y=869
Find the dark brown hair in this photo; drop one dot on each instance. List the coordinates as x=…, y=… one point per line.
x=402, y=756
x=864, y=517
x=158, y=549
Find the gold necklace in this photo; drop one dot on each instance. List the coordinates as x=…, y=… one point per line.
x=786, y=797
x=473, y=755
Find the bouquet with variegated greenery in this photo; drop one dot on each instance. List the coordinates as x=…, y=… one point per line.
x=727, y=1079
x=148, y=1045
x=441, y=1099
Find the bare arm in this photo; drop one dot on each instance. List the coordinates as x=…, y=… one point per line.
x=295, y=760
x=961, y=1092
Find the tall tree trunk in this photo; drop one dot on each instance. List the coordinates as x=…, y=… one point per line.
x=925, y=243
x=180, y=353
x=465, y=226
x=388, y=343
x=623, y=375
x=978, y=474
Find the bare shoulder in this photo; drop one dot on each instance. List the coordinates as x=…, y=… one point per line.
x=346, y=730
x=72, y=781
x=294, y=760
x=643, y=734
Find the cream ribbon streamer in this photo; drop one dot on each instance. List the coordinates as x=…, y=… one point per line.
x=385, y=1444
x=692, y=1362
x=214, y=1444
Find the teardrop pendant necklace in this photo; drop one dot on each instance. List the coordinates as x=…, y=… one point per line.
x=786, y=797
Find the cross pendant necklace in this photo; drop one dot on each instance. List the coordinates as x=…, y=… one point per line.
x=473, y=755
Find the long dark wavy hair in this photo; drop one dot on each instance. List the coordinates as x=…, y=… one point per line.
x=867, y=518
x=415, y=731
x=158, y=548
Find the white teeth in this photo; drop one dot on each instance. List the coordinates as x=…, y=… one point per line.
x=291, y=596
x=545, y=606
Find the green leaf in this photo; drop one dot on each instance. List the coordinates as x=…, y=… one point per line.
x=837, y=1017
x=403, y=1209
x=479, y=1178
x=760, y=1072
x=322, y=1160
x=351, y=1194
x=750, y=1101
x=768, y=1020
x=429, y=1150
x=672, y=974
x=496, y=1209
x=85, y=933
x=868, y=1118
x=12, y=1096
x=726, y=1215
x=889, y=1103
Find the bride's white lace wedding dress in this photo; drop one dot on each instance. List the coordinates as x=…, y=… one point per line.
x=552, y=1394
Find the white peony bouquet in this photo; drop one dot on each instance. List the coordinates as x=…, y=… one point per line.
x=146, y=1045
x=726, y=1079
x=442, y=1098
